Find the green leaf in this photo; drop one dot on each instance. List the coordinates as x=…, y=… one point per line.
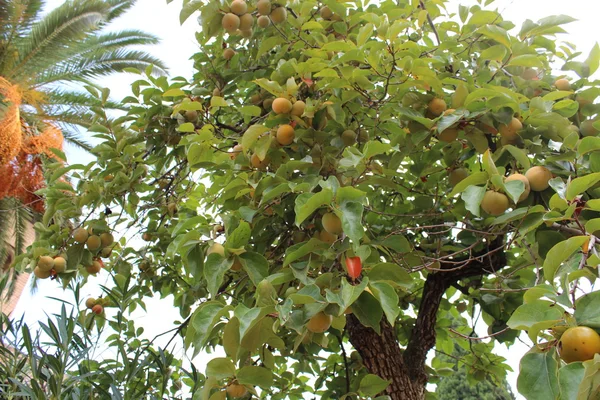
x=299, y=250
x=580, y=185
x=559, y=254
x=519, y=155
x=514, y=189
x=593, y=60
x=364, y=34
x=532, y=313
x=587, y=312
x=593, y=225
x=214, y=271
x=188, y=9
x=538, y=376
x=496, y=33
x=186, y=127
x=204, y=319
x=308, y=203
x=484, y=17
x=371, y=384
x=231, y=338
x=569, y=379
x=526, y=60
x=472, y=198
x=250, y=317
x=255, y=265
x=349, y=193
x=448, y=120
x=368, y=311
x=398, y=243
x=590, y=386
x=496, y=53
x=255, y=376
x=348, y=295
x=239, y=237
x=312, y=25
x=478, y=178
x=391, y=273
x=251, y=136
x=587, y=145
x=388, y=298
x=373, y=148
x=307, y=295
x=218, y=101
x=220, y=368
x=351, y=216
x=251, y=111
x=174, y=93
x=488, y=163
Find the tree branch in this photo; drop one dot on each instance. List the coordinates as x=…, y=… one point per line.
x=423, y=335
x=435, y=32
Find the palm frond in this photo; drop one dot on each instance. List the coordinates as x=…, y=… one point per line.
x=23, y=228
x=48, y=38
x=74, y=64
x=106, y=63
x=17, y=17
x=118, y=8
x=59, y=100
x=6, y=249
x=75, y=139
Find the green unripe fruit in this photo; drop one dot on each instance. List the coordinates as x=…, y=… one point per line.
x=80, y=235
x=239, y=7
x=246, y=22
x=106, y=239
x=263, y=21
x=264, y=7
x=332, y=223
x=91, y=302
x=216, y=248
x=279, y=15
x=45, y=263
x=319, y=323
x=41, y=274
x=348, y=137
x=228, y=53
x=230, y=22
x=60, y=265
x=93, y=243
x=494, y=203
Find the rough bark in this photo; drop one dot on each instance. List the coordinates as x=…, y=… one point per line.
x=382, y=354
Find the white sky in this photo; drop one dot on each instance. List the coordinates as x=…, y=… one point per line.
x=178, y=44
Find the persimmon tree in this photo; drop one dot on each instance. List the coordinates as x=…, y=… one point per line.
x=343, y=191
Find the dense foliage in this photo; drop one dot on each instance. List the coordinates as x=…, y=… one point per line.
x=439, y=149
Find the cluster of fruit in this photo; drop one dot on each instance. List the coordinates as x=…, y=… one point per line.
x=535, y=179
x=48, y=266
x=97, y=305
x=99, y=245
x=239, y=21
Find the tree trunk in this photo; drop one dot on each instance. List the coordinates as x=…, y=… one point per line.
x=10, y=295
x=382, y=355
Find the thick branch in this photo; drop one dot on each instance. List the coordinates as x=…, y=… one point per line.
x=382, y=356
x=423, y=335
x=381, y=353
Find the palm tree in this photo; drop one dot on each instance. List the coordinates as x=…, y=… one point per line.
x=40, y=54
x=47, y=58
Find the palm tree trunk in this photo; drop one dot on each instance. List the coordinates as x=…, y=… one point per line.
x=16, y=282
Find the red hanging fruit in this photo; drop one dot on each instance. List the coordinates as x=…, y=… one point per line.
x=354, y=266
